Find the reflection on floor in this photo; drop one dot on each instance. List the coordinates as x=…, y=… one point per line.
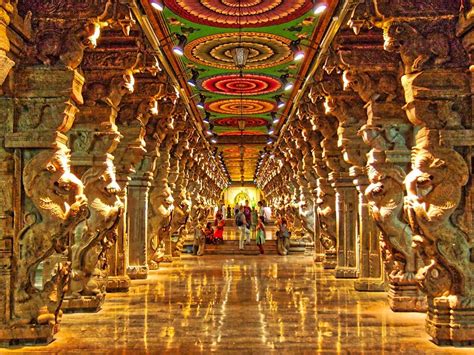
x=245, y=304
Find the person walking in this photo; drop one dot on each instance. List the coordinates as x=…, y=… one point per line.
x=253, y=223
x=248, y=218
x=260, y=238
x=241, y=224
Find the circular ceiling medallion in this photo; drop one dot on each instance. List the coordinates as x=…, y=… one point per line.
x=252, y=13
x=246, y=106
x=266, y=50
x=245, y=133
x=247, y=84
x=234, y=121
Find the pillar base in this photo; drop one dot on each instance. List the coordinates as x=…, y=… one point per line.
x=27, y=334
x=450, y=321
x=346, y=273
x=137, y=272
x=318, y=258
x=330, y=260
x=406, y=297
x=118, y=283
x=84, y=304
x=369, y=285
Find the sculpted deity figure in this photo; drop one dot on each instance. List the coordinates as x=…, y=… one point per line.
x=50, y=185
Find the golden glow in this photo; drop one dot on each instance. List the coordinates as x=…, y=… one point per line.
x=94, y=37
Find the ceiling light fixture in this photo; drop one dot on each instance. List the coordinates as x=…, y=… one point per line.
x=207, y=118
x=275, y=119
x=240, y=54
x=298, y=53
x=287, y=84
x=157, y=5
x=194, y=76
x=279, y=102
x=179, y=48
x=202, y=100
x=319, y=7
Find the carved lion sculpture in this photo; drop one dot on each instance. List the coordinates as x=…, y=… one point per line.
x=326, y=203
x=434, y=188
x=415, y=49
x=180, y=219
x=50, y=185
x=383, y=88
x=385, y=195
x=93, y=235
x=161, y=203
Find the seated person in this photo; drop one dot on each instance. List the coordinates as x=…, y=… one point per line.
x=209, y=233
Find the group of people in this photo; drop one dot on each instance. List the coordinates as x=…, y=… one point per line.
x=251, y=222
x=215, y=236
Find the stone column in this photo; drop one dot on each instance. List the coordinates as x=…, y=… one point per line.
x=94, y=140
x=7, y=8
x=342, y=182
x=372, y=73
x=137, y=110
x=161, y=196
x=46, y=196
x=438, y=103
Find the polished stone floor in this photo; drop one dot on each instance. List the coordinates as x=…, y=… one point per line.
x=244, y=304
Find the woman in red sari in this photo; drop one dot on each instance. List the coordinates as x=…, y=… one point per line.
x=219, y=232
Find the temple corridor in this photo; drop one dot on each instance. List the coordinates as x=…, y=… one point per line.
x=244, y=305
x=242, y=176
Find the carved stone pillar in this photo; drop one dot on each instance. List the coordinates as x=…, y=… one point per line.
x=324, y=130
x=438, y=103
x=161, y=196
x=46, y=197
x=7, y=8
x=372, y=73
x=346, y=195
x=94, y=140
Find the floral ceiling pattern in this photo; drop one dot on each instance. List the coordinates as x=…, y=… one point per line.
x=230, y=96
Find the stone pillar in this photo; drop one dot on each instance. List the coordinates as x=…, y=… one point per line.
x=161, y=196
x=7, y=8
x=438, y=94
x=46, y=196
x=94, y=140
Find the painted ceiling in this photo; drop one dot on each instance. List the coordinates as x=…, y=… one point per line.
x=266, y=27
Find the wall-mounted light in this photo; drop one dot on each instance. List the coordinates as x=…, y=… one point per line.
x=194, y=76
x=207, y=118
x=287, y=84
x=275, y=119
x=279, y=102
x=270, y=141
x=298, y=53
x=319, y=7
x=157, y=5
x=213, y=140
x=202, y=100
x=179, y=48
